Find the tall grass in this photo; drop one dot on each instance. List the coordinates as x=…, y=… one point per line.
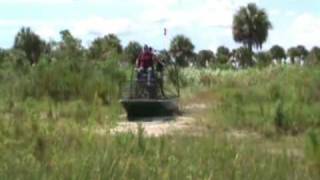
x=38, y=150
x=313, y=149
x=66, y=80
x=284, y=97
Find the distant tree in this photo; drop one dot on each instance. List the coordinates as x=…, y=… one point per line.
x=303, y=52
x=132, y=51
x=193, y=59
x=205, y=57
x=181, y=49
x=48, y=50
x=314, y=56
x=101, y=48
x=3, y=54
x=277, y=53
x=222, y=55
x=263, y=59
x=30, y=43
x=69, y=41
x=46, y=47
x=251, y=26
x=293, y=54
x=164, y=56
x=70, y=47
x=242, y=56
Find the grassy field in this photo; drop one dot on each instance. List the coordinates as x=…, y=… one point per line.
x=259, y=124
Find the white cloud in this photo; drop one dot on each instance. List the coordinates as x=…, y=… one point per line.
x=92, y=26
x=205, y=13
x=47, y=32
x=305, y=29
x=100, y=26
x=140, y=2
x=156, y=3
x=36, y=1
x=16, y=22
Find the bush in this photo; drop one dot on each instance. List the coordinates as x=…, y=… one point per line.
x=64, y=80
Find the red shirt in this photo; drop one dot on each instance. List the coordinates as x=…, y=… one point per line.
x=145, y=60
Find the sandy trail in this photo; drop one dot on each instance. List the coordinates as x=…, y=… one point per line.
x=156, y=127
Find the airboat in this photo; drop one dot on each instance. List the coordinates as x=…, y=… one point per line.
x=152, y=94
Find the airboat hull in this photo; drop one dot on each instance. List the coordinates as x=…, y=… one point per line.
x=137, y=109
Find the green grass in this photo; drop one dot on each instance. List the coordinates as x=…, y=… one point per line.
x=286, y=98
x=49, y=116
x=35, y=150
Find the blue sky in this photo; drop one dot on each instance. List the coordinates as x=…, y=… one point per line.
x=206, y=22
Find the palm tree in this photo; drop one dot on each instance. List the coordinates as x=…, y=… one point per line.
x=132, y=51
x=302, y=51
x=314, y=56
x=181, y=49
x=298, y=53
x=205, y=57
x=223, y=55
x=30, y=43
x=277, y=53
x=250, y=26
x=293, y=54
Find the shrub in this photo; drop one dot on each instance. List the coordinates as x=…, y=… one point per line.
x=67, y=80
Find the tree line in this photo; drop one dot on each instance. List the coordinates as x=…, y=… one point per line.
x=250, y=27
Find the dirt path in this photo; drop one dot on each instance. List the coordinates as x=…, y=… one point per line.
x=162, y=126
x=156, y=127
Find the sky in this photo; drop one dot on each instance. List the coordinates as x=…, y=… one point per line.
x=206, y=22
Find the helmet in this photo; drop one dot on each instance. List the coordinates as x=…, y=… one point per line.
x=145, y=48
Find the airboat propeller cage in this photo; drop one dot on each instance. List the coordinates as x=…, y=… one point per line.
x=145, y=97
